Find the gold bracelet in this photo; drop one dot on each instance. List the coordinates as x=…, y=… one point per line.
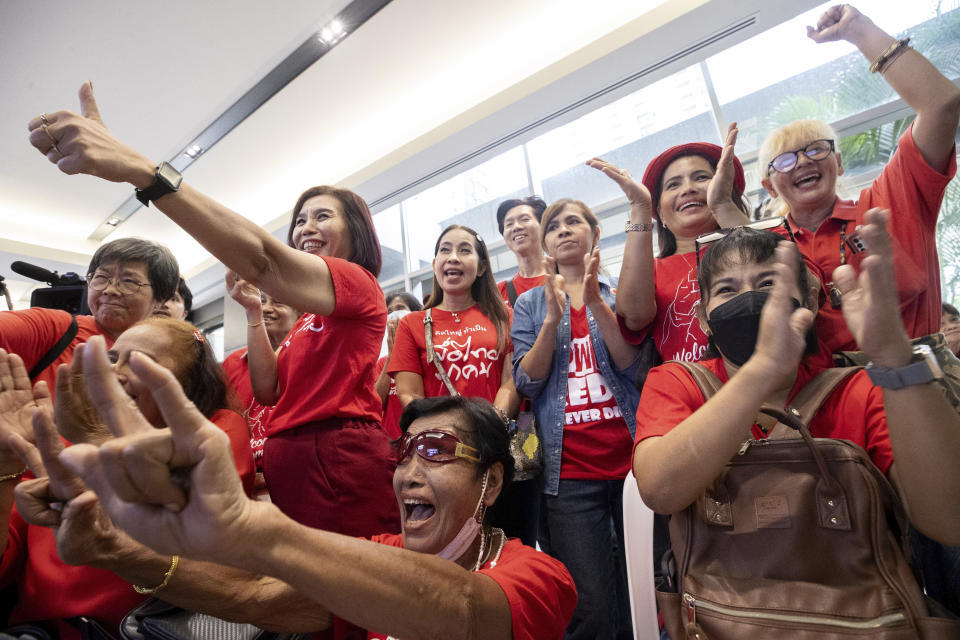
x=166, y=579
x=11, y=476
x=632, y=226
x=255, y=324
x=887, y=55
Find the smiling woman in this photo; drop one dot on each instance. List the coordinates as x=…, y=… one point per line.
x=689, y=189
x=468, y=580
x=572, y=361
x=469, y=328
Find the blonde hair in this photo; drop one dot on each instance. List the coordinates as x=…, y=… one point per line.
x=787, y=138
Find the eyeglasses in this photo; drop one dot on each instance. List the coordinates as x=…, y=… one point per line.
x=126, y=286
x=816, y=150
x=760, y=225
x=435, y=446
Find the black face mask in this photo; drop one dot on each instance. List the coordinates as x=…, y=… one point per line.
x=736, y=323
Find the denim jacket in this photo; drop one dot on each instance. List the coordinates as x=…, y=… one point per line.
x=550, y=394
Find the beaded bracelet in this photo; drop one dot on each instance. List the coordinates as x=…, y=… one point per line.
x=166, y=579
x=633, y=226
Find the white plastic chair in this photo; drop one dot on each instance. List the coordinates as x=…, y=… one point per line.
x=638, y=548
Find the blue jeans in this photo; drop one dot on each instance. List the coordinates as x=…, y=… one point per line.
x=582, y=527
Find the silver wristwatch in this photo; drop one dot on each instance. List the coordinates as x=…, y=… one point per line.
x=923, y=368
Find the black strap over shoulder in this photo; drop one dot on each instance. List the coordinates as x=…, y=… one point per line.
x=512, y=293
x=54, y=352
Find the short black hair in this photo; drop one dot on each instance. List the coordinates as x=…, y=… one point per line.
x=744, y=245
x=162, y=268
x=408, y=298
x=186, y=294
x=489, y=434
x=534, y=202
x=949, y=308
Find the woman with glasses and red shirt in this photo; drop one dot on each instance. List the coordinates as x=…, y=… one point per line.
x=801, y=164
x=448, y=574
x=690, y=189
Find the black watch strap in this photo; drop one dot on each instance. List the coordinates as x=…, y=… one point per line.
x=166, y=180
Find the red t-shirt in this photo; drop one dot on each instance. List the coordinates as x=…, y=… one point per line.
x=913, y=191
x=596, y=440
x=854, y=411
x=235, y=426
x=327, y=364
x=31, y=333
x=467, y=349
x=391, y=415
x=675, y=329
x=539, y=589
x=521, y=284
x=237, y=369
x=49, y=589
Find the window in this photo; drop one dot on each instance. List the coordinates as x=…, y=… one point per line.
x=470, y=199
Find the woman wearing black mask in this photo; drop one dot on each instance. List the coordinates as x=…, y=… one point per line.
x=752, y=310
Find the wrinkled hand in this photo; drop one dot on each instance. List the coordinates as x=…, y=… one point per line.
x=243, y=291
x=84, y=533
x=636, y=193
x=783, y=330
x=720, y=189
x=871, y=306
x=836, y=23
x=591, y=278
x=83, y=144
x=17, y=404
x=554, y=288
x=74, y=413
x=175, y=490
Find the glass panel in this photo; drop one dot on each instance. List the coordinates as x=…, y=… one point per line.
x=470, y=199
x=387, y=223
x=948, y=243
x=215, y=338
x=629, y=133
x=790, y=77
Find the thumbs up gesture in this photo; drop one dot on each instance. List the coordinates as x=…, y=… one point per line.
x=83, y=144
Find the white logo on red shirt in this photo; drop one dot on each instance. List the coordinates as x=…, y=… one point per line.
x=681, y=319
x=586, y=385
x=463, y=362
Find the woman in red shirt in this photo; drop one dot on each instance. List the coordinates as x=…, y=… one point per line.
x=100, y=589
x=470, y=330
x=689, y=189
x=326, y=461
x=277, y=319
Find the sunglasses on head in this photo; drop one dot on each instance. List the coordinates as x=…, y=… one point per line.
x=435, y=446
x=760, y=225
x=816, y=150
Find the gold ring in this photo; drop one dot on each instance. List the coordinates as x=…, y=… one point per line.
x=43, y=119
x=52, y=139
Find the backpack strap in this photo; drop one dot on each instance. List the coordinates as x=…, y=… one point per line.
x=58, y=348
x=432, y=356
x=707, y=380
x=812, y=396
x=512, y=293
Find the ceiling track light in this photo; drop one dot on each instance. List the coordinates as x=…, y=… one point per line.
x=312, y=49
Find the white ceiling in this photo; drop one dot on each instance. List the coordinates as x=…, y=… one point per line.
x=376, y=110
